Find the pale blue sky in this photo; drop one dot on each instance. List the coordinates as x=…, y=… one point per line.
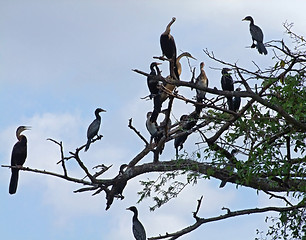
x=59, y=60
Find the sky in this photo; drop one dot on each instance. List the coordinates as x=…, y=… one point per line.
x=60, y=60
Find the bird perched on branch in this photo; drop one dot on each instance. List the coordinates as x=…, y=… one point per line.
x=152, y=82
x=168, y=47
x=187, y=122
x=236, y=101
x=152, y=128
x=257, y=35
x=155, y=92
x=19, y=155
x=201, y=81
x=167, y=42
x=94, y=127
x=227, y=84
x=138, y=229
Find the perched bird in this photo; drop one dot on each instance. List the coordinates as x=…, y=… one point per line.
x=151, y=82
x=230, y=167
x=236, y=102
x=257, y=35
x=201, y=81
x=167, y=42
x=154, y=90
x=152, y=128
x=138, y=229
x=187, y=122
x=19, y=155
x=117, y=188
x=168, y=47
x=227, y=84
x=94, y=127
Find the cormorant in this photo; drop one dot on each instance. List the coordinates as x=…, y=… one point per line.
x=138, y=229
x=167, y=42
x=236, y=102
x=155, y=92
x=151, y=81
x=187, y=123
x=230, y=168
x=257, y=35
x=201, y=81
x=152, y=128
x=117, y=188
x=227, y=84
x=94, y=127
x=19, y=155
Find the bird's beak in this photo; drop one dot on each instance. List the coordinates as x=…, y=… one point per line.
x=27, y=128
x=193, y=58
x=158, y=63
x=127, y=209
x=102, y=110
x=243, y=19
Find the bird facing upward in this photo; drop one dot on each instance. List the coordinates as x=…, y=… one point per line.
x=93, y=127
x=19, y=155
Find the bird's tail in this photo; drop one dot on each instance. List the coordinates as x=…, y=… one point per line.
x=87, y=144
x=230, y=103
x=14, y=181
x=261, y=48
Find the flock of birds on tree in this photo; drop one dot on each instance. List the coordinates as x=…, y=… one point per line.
x=168, y=48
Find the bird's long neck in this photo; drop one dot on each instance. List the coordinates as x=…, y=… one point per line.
x=168, y=27
x=98, y=116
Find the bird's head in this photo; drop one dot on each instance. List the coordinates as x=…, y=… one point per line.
x=202, y=65
x=173, y=19
x=187, y=54
x=98, y=110
x=238, y=89
x=149, y=114
x=132, y=208
x=20, y=129
x=248, y=18
x=225, y=70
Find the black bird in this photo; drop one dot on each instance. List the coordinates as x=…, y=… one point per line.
x=230, y=167
x=201, y=81
x=138, y=229
x=167, y=42
x=117, y=188
x=187, y=122
x=151, y=81
x=94, y=127
x=257, y=35
x=19, y=155
x=236, y=102
x=227, y=84
x=168, y=47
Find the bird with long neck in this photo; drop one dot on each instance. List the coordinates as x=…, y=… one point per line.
x=137, y=227
x=257, y=35
x=94, y=127
x=168, y=46
x=18, y=158
x=236, y=101
x=152, y=82
x=201, y=81
x=177, y=71
x=227, y=84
